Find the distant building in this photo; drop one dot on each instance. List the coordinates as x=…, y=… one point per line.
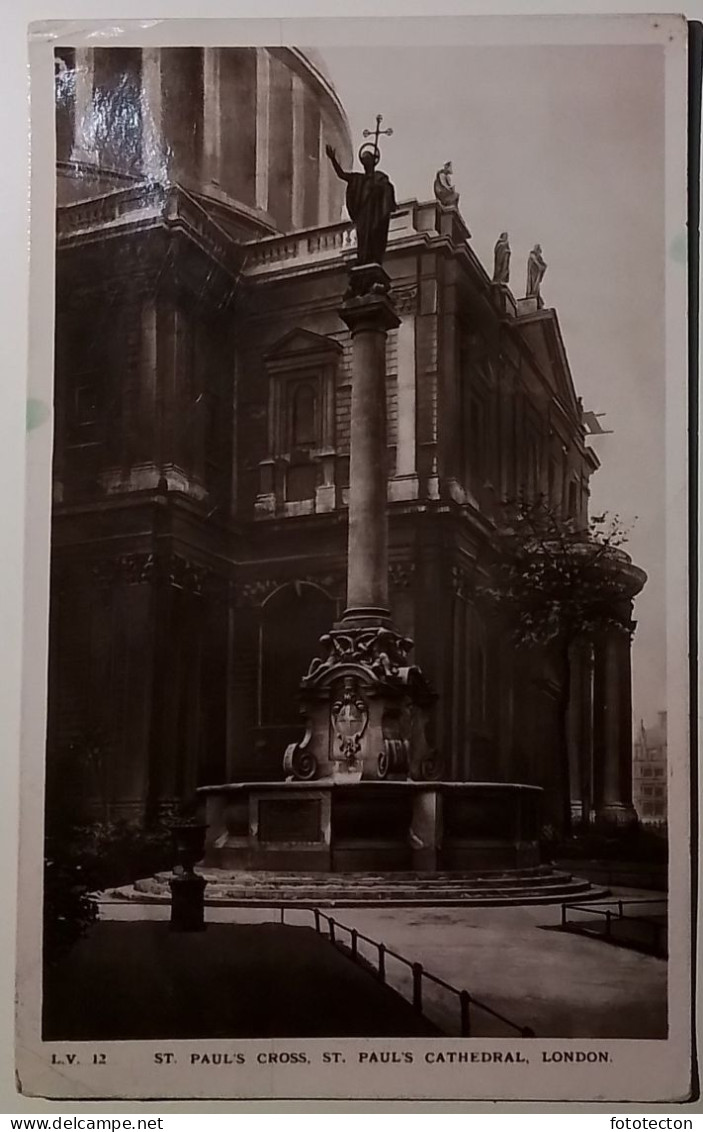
x=649, y=772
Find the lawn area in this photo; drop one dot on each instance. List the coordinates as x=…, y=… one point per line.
x=139, y=980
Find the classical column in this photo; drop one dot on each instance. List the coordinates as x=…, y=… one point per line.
x=586, y=712
x=612, y=728
x=574, y=733
x=369, y=318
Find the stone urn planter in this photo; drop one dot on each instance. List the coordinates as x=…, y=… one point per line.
x=187, y=887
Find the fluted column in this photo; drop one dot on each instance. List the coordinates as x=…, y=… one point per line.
x=369, y=318
x=612, y=728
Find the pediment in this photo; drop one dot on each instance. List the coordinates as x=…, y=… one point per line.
x=299, y=342
x=543, y=336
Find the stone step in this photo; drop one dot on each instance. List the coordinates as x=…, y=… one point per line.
x=485, y=900
x=358, y=890
x=360, y=882
x=371, y=877
x=283, y=891
x=310, y=895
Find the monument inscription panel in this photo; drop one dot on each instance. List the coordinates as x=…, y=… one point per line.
x=297, y=819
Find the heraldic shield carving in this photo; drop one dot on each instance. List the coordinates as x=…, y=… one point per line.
x=349, y=719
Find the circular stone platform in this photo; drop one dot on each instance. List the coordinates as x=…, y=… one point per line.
x=371, y=826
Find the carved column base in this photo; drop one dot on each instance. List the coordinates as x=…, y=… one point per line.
x=618, y=814
x=366, y=710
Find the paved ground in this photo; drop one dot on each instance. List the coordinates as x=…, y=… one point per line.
x=140, y=980
x=559, y=984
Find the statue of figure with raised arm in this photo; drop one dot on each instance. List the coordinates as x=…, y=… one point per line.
x=370, y=200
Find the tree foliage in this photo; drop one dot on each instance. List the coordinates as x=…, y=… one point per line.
x=551, y=579
x=551, y=582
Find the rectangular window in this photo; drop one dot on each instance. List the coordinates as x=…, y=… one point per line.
x=301, y=481
x=302, y=415
x=86, y=405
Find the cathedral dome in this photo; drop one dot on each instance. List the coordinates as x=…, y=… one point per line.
x=245, y=127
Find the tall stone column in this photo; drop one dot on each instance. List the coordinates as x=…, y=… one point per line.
x=369, y=318
x=366, y=705
x=612, y=728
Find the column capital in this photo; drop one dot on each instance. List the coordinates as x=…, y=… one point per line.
x=369, y=312
x=368, y=305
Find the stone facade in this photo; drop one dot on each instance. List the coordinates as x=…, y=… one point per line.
x=201, y=467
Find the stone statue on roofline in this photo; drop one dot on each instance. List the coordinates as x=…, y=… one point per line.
x=536, y=268
x=501, y=260
x=444, y=189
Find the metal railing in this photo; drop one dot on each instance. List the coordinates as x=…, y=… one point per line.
x=466, y=1002
x=616, y=911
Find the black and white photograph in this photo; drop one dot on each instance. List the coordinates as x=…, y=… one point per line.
x=359, y=758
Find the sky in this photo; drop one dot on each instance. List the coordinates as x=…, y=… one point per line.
x=562, y=146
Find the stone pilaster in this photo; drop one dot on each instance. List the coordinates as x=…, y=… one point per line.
x=298, y=187
x=404, y=484
x=263, y=99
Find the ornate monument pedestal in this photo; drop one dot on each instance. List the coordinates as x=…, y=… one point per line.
x=366, y=709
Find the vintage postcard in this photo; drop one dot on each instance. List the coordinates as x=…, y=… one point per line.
x=356, y=757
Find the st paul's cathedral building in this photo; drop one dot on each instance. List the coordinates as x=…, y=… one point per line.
x=201, y=456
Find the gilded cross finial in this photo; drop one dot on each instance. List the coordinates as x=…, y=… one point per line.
x=375, y=134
